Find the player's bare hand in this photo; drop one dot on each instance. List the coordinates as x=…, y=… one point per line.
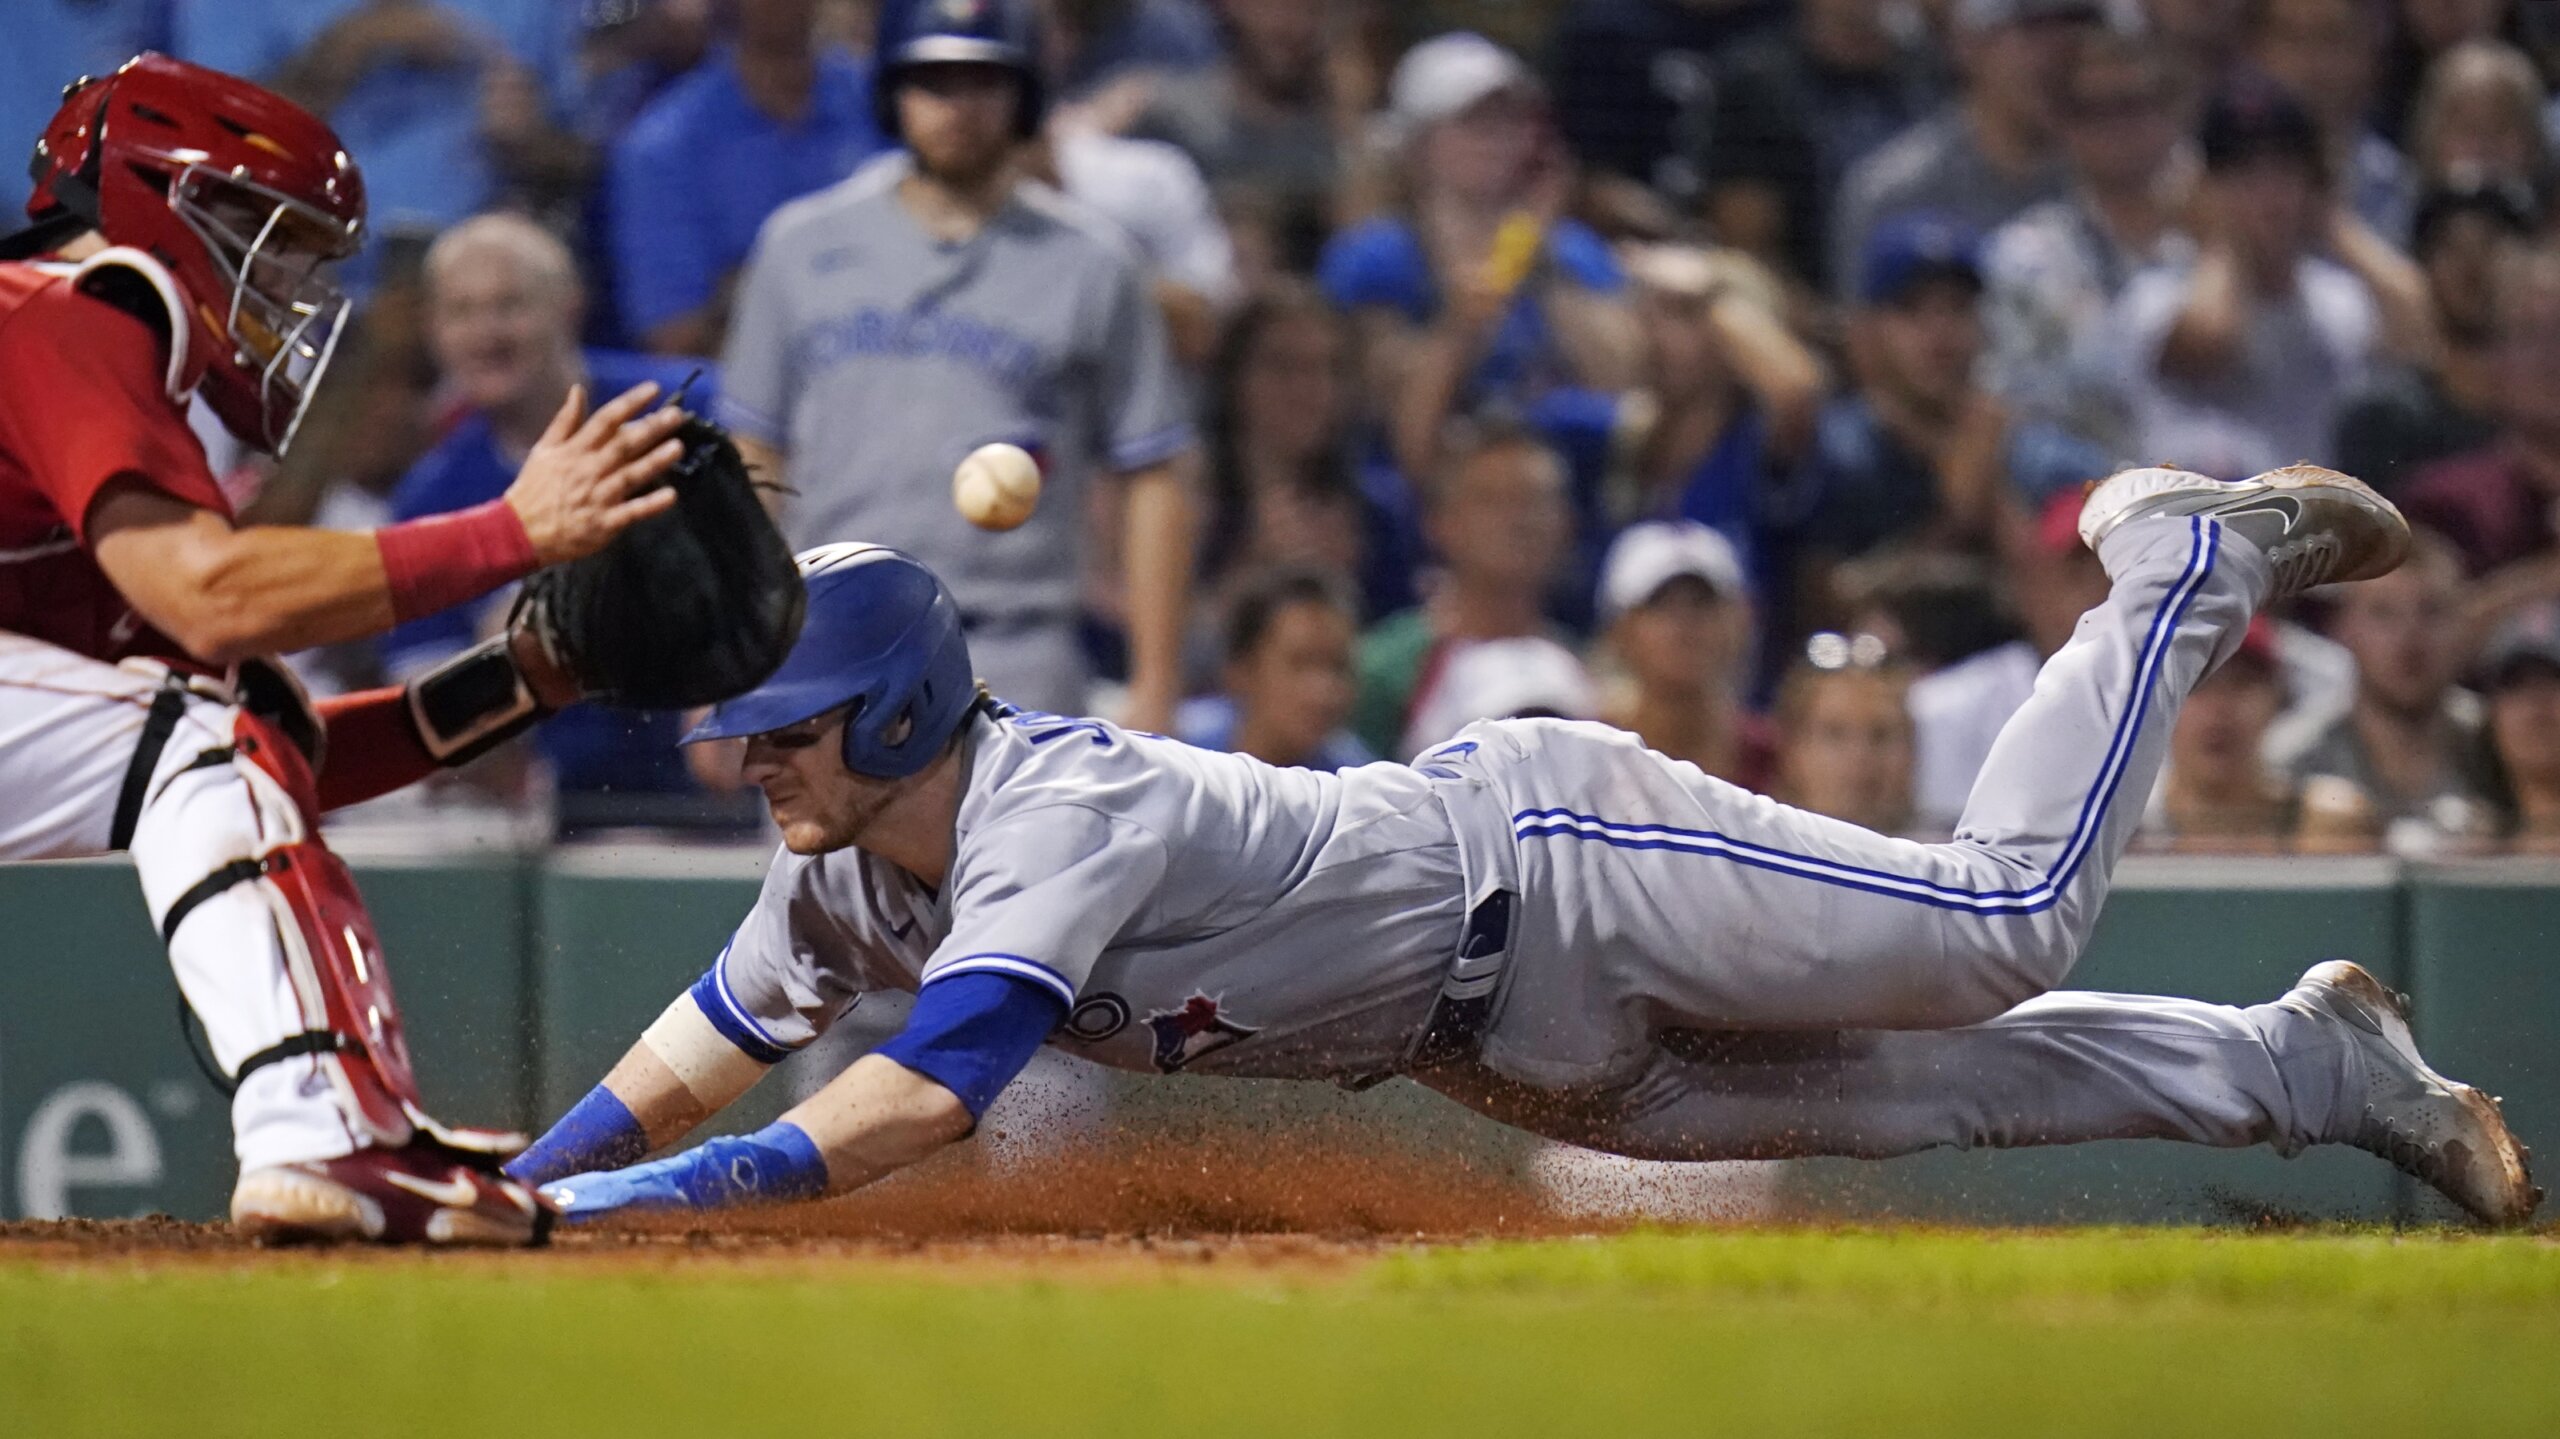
x=588, y=478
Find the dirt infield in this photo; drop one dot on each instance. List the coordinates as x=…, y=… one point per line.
x=1238, y=1210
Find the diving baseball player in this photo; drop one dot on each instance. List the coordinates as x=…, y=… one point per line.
x=1541, y=919
x=183, y=220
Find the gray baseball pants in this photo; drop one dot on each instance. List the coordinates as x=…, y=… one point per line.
x=1698, y=972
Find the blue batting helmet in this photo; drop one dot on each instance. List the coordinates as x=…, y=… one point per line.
x=968, y=32
x=882, y=635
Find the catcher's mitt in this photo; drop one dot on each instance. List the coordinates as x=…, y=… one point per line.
x=684, y=608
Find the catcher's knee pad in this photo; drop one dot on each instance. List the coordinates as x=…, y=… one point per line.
x=239, y=817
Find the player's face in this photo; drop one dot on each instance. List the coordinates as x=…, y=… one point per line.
x=818, y=804
x=958, y=119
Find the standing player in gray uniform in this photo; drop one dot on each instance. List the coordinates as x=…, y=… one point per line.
x=1541, y=919
x=936, y=302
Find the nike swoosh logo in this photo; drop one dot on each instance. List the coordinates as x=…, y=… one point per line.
x=903, y=930
x=458, y=1192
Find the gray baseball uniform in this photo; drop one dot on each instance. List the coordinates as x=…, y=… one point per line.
x=876, y=357
x=1579, y=936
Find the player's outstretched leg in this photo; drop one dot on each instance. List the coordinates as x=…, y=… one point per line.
x=2331, y=1062
x=1656, y=895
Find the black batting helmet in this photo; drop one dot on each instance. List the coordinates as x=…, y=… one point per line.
x=944, y=32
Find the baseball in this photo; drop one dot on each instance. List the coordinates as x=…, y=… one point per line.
x=997, y=486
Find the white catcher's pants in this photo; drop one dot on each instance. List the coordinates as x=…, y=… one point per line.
x=1702, y=973
x=68, y=727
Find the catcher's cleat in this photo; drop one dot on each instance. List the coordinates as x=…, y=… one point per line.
x=421, y=1193
x=2316, y=526
x=2450, y=1135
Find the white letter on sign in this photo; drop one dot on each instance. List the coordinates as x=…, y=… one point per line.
x=48, y=1170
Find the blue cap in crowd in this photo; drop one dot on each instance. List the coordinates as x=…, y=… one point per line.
x=1911, y=249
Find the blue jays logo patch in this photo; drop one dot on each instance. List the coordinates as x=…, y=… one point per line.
x=1197, y=1028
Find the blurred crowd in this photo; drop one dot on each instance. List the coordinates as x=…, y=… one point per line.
x=1726, y=370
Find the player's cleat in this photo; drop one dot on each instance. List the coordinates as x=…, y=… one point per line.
x=2316, y=526
x=2450, y=1135
x=420, y=1193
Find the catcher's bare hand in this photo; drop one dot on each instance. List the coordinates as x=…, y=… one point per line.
x=582, y=484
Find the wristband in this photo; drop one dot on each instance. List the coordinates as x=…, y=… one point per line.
x=600, y=1133
x=438, y=561
x=472, y=703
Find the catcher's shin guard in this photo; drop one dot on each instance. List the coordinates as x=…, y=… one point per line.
x=350, y=1019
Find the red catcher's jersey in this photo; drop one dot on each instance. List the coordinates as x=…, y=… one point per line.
x=81, y=403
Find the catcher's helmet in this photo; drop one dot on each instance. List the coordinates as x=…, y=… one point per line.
x=944, y=32
x=234, y=190
x=882, y=635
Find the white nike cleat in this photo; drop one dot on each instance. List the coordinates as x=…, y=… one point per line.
x=2450, y=1135
x=421, y=1193
x=2316, y=526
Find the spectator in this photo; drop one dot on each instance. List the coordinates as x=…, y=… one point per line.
x=2494, y=503
x=2410, y=749
x=1917, y=451
x=2218, y=795
x=2409, y=416
x=1794, y=110
x=1957, y=712
x=983, y=307
x=1992, y=153
x=503, y=312
x=1266, y=122
x=1444, y=320
x=1497, y=520
x=1282, y=486
x=1728, y=394
x=51, y=44
x=2206, y=39
x=2520, y=679
x=2242, y=360
x=1635, y=86
x=1845, y=734
x=2054, y=272
x=1100, y=41
x=1930, y=608
x=2327, y=55
x=454, y=104
x=1677, y=613
x=2426, y=31
x=1159, y=199
x=2479, y=120
x=1287, y=684
x=1525, y=677
x=769, y=117
x=635, y=49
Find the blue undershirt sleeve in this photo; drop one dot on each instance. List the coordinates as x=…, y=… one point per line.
x=973, y=1032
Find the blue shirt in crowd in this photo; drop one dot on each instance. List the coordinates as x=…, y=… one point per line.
x=51, y=44
x=414, y=129
x=589, y=747
x=1381, y=264
x=702, y=167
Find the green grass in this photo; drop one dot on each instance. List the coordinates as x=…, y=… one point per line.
x=1910, y=1333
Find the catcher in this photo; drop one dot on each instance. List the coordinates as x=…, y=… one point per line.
x=183, y=225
